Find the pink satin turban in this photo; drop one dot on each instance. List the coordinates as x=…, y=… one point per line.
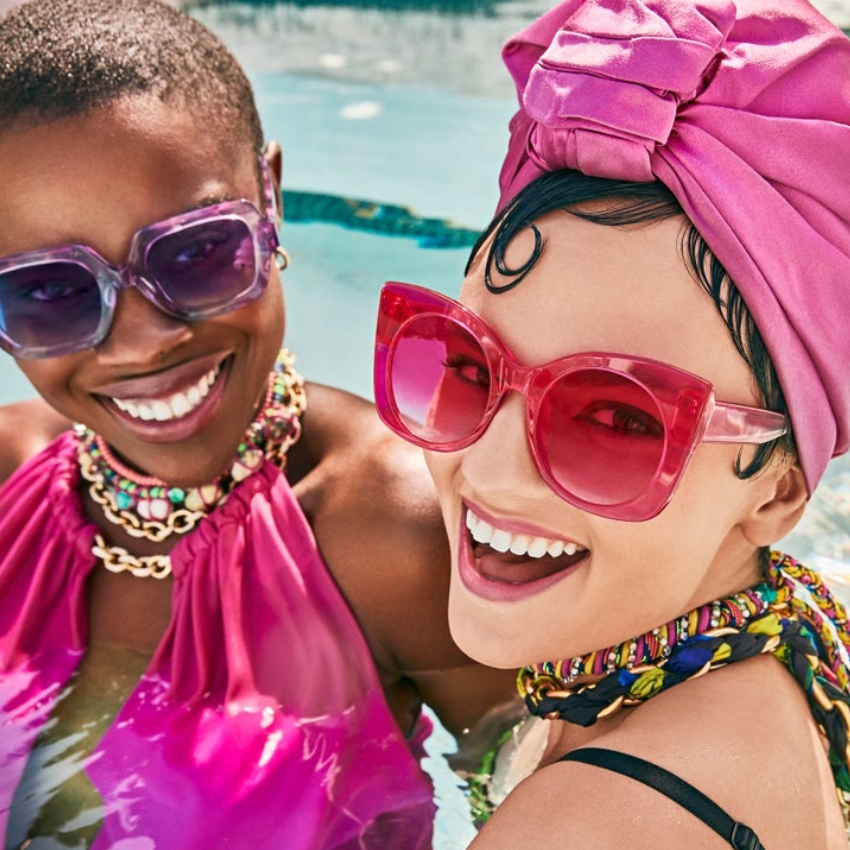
x=743, y=110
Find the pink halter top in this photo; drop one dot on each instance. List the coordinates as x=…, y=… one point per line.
x=260, y=722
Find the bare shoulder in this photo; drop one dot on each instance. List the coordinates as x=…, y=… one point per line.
x=351, y=446
x=26, y=427
x=374, y=511
x=372, y=507
x=743, y=736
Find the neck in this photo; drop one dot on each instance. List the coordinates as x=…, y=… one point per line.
x=596, y=685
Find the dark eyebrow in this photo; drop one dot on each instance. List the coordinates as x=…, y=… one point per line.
x=212, y=200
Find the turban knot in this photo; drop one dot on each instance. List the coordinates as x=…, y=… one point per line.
x=606, y=90
x=742, y=108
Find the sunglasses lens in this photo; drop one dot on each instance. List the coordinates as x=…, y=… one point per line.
x=204, y=266
x=439, y=380
x=50, y=305
x=602, y=436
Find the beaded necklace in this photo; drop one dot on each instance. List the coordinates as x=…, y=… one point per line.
x=147, y=507
x=791, y=615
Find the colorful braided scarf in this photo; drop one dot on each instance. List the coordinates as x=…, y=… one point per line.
x=791, y=615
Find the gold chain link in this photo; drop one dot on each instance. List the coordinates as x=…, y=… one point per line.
x=118, y=560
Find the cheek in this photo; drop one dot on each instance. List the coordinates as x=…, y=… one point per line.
x=263, y=322
x=51, y=379
x=443, y=466
x=697, y=540
x=270, y=318
x=711, y=491
x=277, y=307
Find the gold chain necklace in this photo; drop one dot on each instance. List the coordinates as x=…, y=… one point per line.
x=147, y=507
x=118, y=560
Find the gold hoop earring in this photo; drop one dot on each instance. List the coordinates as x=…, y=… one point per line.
x=281, y=258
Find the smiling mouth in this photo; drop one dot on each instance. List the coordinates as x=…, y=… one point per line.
x=503, y=556
x=175, y=406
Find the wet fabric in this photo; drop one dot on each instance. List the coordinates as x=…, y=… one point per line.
x=260, y=721
x=743, y=111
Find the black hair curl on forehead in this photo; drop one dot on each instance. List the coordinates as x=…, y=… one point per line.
x=618, y=203
x=61, y=58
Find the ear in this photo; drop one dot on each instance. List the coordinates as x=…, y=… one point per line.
x=780, y=506
x=274, y=157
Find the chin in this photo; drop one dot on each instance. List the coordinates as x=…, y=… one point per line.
x=492, y=641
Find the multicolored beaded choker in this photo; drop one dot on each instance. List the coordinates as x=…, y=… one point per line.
x=147, y=507
x=791, y=615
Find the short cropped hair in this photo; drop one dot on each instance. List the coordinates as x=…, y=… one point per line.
x=62, y=58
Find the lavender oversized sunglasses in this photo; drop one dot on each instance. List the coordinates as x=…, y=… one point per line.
x=193, y=266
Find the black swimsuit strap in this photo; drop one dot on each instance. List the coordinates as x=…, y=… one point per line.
x=740, y=836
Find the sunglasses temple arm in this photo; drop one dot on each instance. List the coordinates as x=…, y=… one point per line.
x=737, y=423
x=271, y=205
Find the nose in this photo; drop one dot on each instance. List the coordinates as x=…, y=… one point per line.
x=499, y=464
x=141, y=334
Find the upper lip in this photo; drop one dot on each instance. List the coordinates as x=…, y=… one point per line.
x=163, y=383
x=518, y=526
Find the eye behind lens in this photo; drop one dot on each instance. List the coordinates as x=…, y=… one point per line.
x=205, y=265
x=602, y=435
x=49, y=304
x=440, y=379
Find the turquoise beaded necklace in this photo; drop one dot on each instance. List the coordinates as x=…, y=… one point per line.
x=148, y=507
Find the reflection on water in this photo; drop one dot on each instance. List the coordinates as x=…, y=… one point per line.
x=55, y=805
x=454, y=46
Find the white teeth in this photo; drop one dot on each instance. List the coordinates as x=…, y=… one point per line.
x=538, y=547
x=180, y=405
x=207, y=381
x=127, y=406
x=518, y=544
x=482, y=531
x=161, y=411
x=173, y=407
x=501, y=540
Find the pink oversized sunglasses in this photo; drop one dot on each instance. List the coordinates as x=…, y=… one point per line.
x=192, y=266
x=610, y=434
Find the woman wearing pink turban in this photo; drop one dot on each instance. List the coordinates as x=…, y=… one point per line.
x=641, y=385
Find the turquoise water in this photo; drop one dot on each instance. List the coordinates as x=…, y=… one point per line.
x=408, y=109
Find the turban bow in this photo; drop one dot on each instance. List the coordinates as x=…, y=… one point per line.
x=743, y=110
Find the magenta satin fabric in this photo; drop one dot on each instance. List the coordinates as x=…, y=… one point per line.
x=261, y=722
x=743, y=110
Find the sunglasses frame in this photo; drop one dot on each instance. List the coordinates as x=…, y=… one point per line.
x=691, y=414
x=134, y=273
